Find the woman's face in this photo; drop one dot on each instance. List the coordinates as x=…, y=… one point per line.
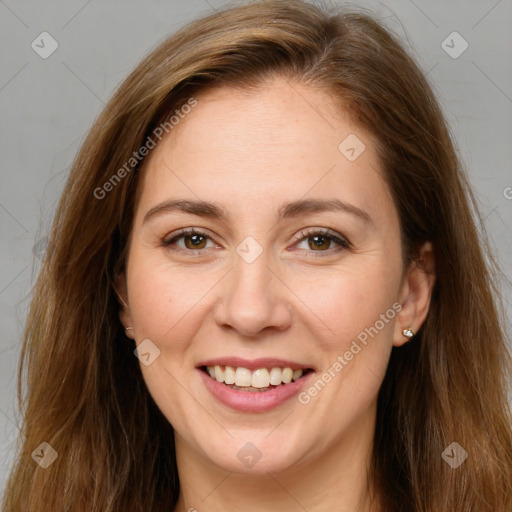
x=294, y=264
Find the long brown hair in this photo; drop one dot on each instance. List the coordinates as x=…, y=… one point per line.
x=85, y=395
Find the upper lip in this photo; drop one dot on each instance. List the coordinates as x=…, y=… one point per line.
x=254, y=364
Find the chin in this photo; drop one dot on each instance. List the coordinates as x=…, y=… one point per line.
x=255, y=453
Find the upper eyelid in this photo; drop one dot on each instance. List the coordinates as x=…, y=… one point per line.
x=188, y=231
x=305, y=232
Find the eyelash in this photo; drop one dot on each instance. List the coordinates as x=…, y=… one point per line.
x=342, y=242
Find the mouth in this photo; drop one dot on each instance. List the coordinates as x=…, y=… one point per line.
x=255, y=385
x=258, y=380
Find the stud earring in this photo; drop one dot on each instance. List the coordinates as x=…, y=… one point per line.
x=408, y=333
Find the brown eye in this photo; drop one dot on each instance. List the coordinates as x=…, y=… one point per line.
x=321, y=240
x=192, y=240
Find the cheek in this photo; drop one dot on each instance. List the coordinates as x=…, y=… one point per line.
x=164, y=296
x=350, y=299
x=167, y=306
x=359, y=309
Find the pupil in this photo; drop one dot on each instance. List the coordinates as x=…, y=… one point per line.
x=316, y=241
x=195, y=239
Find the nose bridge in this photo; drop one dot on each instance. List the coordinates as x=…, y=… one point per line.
x=253, y=298
x=251, y=268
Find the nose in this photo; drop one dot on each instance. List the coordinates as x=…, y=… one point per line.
x=253, y=298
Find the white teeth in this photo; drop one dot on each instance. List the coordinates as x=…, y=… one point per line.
x=243, y=377
x=259, y=379
x=297, y=374
x=229, y=375
x=275, y=376
x=287, y=375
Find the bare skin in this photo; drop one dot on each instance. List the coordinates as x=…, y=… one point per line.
x=302, y=300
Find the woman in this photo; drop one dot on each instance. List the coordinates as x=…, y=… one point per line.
x=270, y=215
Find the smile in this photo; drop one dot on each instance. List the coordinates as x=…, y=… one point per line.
x=259, y=389
x=261, y=379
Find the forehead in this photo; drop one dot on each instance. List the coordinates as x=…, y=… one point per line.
x=250, y=148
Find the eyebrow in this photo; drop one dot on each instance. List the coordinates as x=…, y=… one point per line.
x=289, y=210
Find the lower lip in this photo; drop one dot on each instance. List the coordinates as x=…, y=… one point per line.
x=253, y=401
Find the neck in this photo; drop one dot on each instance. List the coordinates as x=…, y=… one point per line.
x=338, y=480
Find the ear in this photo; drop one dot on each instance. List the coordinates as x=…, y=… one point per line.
x=124, y=311
x=415, y=293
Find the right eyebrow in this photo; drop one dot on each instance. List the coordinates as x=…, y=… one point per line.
x=199, y=208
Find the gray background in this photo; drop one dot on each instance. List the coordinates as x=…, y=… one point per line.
x=47, y=106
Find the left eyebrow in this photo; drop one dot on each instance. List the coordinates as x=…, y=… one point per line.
x=305, y=206
x=289, y=210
